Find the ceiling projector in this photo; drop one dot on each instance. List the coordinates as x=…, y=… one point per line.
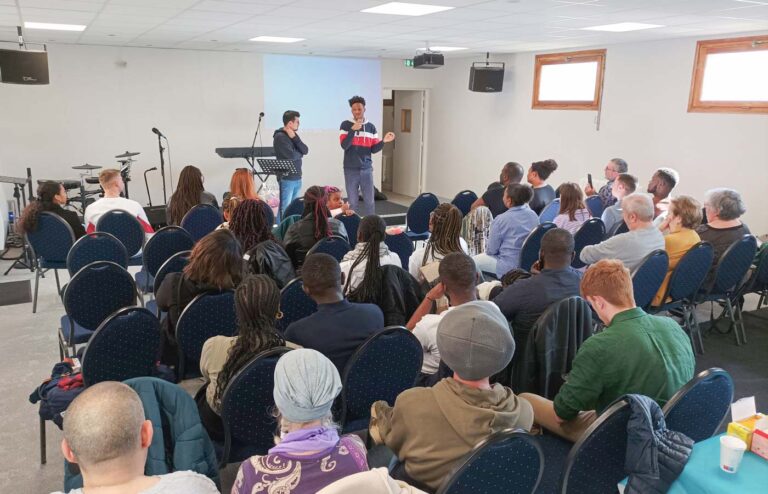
x=428, y=60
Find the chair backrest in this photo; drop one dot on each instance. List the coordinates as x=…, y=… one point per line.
x=507, y=461
x=417, y=217
x=734, y=264
x=700, y=407
x=617, y=228
x=163, y=245
x=690, y=272
x=596, y=461
x=384, y=366
x=52, y=238
x=208, y=315
x=351, y=223
x=401, y=245
x=529, y=253
x=97, y=291
x=246, y=406
x=201, y=220
x=174, y=264
x=334, y=245
x=125, y=345
x=648, y=277
x=125, y=227
x=550, y=211
x=761, y=272
x=96, y=246
x=590, y=233
x=286, y=222
x=595, y=206
x=295, y=207
x=294, y=304
x=463, y=200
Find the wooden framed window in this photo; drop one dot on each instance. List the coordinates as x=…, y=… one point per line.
x=569, y=81
x=405, y=120
x=730, y=76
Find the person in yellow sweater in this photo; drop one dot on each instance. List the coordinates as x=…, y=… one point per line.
x=679, y=229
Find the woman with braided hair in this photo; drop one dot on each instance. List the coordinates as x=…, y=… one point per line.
x=362, y=266
x=51, y=196
x=313, y=226
x=445, y=237
x=250, y=222
x=257, y=306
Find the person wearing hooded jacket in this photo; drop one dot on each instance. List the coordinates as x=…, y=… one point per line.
x=430, y=429
x=289, y=146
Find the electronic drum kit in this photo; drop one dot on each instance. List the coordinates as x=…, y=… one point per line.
x=86, y=196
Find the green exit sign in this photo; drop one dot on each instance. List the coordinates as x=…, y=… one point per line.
x=408, y=62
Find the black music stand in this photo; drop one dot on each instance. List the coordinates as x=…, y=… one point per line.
x=278, y=168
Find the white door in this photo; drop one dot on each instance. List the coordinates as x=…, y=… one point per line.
x=407, y=156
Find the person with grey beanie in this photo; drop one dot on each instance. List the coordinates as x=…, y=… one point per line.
x=309, y=454
x=429, y=429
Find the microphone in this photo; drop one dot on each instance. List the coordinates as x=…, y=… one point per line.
x=154, y=129
x=151, y=169
x=261, y=115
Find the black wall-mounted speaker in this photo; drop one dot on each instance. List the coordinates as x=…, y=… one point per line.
x=486, y=79
x=23, y=67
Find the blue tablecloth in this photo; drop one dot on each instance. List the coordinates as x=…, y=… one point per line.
x=702, y=473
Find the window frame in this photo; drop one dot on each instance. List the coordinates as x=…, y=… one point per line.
x=715, y=46
x=566, y=58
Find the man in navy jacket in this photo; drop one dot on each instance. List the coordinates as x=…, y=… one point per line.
x=288, y=146
x=359, y=140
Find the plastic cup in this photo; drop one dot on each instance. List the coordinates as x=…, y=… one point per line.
x=731, y=452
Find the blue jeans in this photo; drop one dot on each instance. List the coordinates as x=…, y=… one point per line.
x=289, y=190
x=362, y=180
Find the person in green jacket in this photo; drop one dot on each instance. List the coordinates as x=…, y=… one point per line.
x=635, y=353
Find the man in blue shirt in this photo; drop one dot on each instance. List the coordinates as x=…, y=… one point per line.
x=525, y=300
x=338, y=327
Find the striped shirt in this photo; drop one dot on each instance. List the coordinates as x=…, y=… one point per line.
x=359, y=144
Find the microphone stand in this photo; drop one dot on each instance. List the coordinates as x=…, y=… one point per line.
x=253, y=144
x=162, y=165
x=146, y=184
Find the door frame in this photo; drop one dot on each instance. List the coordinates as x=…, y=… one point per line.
x=424, y=130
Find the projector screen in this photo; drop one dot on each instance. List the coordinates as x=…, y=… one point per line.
x=318, y=88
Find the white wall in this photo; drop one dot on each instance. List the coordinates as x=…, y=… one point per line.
x=645, y=121
x=95, y=109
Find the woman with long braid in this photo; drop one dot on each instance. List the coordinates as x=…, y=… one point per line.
x=362, y=266
x=257, y=306
x=313, y=226
x=250, y=223
x=445, y=237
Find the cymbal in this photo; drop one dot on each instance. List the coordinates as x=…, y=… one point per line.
x=87, y=167
x=127, y=154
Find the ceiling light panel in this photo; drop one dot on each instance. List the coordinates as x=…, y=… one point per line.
x=401, y=8
x=622, y=27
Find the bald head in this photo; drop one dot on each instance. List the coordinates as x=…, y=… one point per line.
x=103, y=423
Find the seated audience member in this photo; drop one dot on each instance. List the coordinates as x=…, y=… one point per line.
x=313, y=226
x=215, y=263
x=309, y=454
x=241, y=185
x=635, y=353
x=365, y=260
x=230, y=203
x=613, y=169
x=573, y=212
x=493, y=199
x=509, y=231
x=525, y=300
x=445, y=237
x=250, y=223
x=543, y=193
x=723, y=208
x=336, y=204
x=631, y=247
x=623, y=185
x=660, y=186
x=476, y=228
x=112, y=183
x=106, y=435
x=257, y=306
x=458, y=277
x=429, y=429
x=339, y=326
x=680, y=235
x=51, y=196
x=189, y=193
x=374, y=481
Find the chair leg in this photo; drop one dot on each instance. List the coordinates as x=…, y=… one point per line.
x=740, y=323
x=58, y=283
x=37, y=284
x=695, y=328
x=42, y=441
x=729, y=308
